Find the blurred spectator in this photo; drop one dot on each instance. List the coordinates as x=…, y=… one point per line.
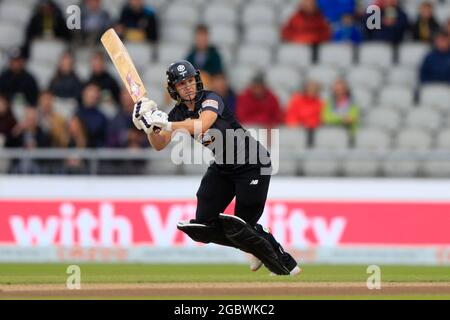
x=7, y=121
x=203, y=55
x=340, y=109
x=102, y=78
x=304, y=109
x=138, y=22
x=447, y=27
x=47, y=21
x=120, y=125
x=94, y=21
x=334, y=10
x=93, y=120
x=17, y=80
x=52, y=123
x=307, y=25
x=426, y=26
x=394, y=23
x=436, y=65
x=220, y=85
x=28, y=134
x=76, y=140
x=65, y=82
x=258, y=105
x=347, y=31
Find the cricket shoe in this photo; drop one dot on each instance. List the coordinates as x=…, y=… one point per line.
x=255, y=263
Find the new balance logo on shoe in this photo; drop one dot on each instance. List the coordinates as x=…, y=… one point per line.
x=254, y=182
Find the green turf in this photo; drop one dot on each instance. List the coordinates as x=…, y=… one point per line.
x=140, y=273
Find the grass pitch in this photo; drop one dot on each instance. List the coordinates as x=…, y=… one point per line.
x=221, y=282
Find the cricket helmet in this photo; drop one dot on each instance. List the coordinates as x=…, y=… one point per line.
x=179, y=71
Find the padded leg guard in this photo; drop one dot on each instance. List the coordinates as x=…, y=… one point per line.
x=244, y=236
x=205, y=233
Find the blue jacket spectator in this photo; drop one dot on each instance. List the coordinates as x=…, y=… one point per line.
x=203, y=55
x=436, y=66
x=92, y=118
x=17, y=80
x=394, y=23
x=121, y=124
x=138, y=22
x=333, y=10
x=347, y=31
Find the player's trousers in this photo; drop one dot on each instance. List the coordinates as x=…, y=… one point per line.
x=218, y=188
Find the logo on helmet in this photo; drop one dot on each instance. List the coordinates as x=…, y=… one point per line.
x=182, y=70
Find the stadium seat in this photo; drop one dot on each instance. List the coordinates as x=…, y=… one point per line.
x=284, y=76
x=286, y=12
x=437, y=168
x=220, y=13
x=141, y=53
x=325, y=75
x=363, y=98
x=397, y=97
x=258, y=14
x=360, y=163
x=252, y=55
x=383, y=118
x=424, y=118
x=180, y=13
x=331, y=138
x=443, y=139
x=400, y=165
x=287, y=167
x=413, y=139
x=223, y=35
x=372, y=138
x=155, y=74
x=294, y=54
x=42, y=73
x=10, y=36
x=241, y=75
x=169, y=52
x=436, y=96
x=379, y=55
x=292, y=139
x=261, y=35
x=47, y=51
x=320, y=164
x=402, y=76
x=283, y=95
x=178, y=33
x=336, y=55
x=15, y=13
x=365, y=77
x=442, y=13
x=412, y=54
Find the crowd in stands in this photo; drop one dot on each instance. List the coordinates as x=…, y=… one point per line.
x=313, y=23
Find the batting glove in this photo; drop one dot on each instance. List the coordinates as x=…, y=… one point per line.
x=154, y=121
x=143, y=106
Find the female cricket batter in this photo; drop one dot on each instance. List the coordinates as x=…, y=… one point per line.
x=233, y=173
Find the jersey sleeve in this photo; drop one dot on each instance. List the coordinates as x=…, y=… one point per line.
x=214, y=103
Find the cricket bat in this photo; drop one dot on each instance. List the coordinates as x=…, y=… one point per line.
x=124, y=65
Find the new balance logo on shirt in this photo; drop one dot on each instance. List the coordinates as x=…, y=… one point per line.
x=254, y=182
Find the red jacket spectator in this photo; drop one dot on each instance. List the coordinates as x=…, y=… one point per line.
x=307, y=25
x=258, y=105
x=304, y=109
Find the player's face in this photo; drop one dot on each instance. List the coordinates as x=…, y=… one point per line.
x=187, y=88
